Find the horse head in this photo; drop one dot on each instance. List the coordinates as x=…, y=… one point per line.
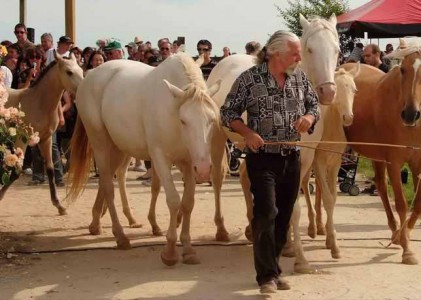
x=198, y=115
x=320, y=49
x=70, y=73
x=345, y=93
x=410, y=85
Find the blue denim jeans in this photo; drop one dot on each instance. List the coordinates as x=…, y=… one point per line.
x=274, y=184
x=38, y=165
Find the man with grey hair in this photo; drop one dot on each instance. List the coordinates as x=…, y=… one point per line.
x=281, y=105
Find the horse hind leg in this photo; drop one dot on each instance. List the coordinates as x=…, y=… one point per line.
x=245, y=185
x=45, y=148
x=155, y=189
x=219, y=169
x=109, y=159
x=121, y=177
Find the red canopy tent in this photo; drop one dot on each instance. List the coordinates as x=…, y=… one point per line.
x=383, y=19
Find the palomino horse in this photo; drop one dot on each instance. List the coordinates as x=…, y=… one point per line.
x=378, y=119
x=40, y=103
x=320, y=48
x=327, y=159
x=128, y=109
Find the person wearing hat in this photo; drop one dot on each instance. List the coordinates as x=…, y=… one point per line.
x=131, y=50
x=138, y=41
x=63, y=48
x=113, y=50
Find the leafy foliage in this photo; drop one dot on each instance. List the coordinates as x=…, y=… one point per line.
x=321, y=8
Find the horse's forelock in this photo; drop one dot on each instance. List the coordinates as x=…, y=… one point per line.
x=318, y=24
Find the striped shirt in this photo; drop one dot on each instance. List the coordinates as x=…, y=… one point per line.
x=271, y=110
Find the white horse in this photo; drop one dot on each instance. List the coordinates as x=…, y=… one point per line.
x=320, y=48
x=328, y=157
x=166, y=114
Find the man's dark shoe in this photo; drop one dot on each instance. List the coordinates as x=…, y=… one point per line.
x=282, y=284
x=60, y=183
x=268, y=287
x=36, y=182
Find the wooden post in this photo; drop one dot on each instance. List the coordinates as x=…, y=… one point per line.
x=70, y=19
x=22, y=11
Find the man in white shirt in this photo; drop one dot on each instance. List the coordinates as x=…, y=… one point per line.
x=8, y=76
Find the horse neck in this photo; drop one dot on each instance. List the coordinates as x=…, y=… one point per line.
x=333, y=129
x=49, y=89
x=390, y=86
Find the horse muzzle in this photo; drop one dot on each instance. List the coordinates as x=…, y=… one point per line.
x=410, y=117
x=326, y=92
x=347, y=120
x=202, y=171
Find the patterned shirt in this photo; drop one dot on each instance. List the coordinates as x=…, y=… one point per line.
x=271, y=111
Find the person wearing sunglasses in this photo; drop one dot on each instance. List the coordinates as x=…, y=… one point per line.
x=34, y=62
x=165, y=50
x=21, y=34
x=204, y=47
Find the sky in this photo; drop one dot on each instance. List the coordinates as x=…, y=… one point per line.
x=230, y=23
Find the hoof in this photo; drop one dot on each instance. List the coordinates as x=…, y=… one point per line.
x=288, y=252
x=222, y=236
x=191, y=259
x=409, y=259
x=311, y=231
x=95, y=230
x=61, y=210
x=321, y=231
x=156, y=231
x=304, y=268
x=135, y=225
x=336, y=254
x=124, y=244
x=248, y=233
x=169, y=259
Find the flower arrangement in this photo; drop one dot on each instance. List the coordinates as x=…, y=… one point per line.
x=12, y=129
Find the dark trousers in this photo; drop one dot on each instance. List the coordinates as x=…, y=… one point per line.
x=274, y=184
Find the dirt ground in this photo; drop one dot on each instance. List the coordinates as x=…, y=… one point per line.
x=67, y=263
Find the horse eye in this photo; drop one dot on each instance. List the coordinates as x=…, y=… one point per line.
x=70, y=73
x=182, y=122
x=309, y=50
x=402, y=71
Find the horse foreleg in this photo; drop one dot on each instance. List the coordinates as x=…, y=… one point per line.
x=321, y=230
x=301, y=264
x=121, y=177
x=187, y=203
x=408, y=256
x=248, y=196
x=311, y=230
x=415, y=170
x=169, y=255
x=327, y=181
x=97, y=212
x=45, y=148
x=219, y=169
x=381, y=185
x=155, y=189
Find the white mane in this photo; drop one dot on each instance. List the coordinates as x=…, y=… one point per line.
x=412, y=45
x=318, y=24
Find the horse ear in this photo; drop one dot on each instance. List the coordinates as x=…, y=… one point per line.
x=72, y=56
x=57, y=56
x=304, y=23
x=215, y=88
x=402, y=44
x=182, y=48
x=355, y=70
x=200, y=60
x=333, y=19
x=175, y=91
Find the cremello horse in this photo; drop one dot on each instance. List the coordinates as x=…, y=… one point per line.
x=320, y=48
x=128, y=109
x=327, y=160
x=40, y=103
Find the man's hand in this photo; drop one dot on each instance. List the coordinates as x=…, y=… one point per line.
x=253, y=141
x=303, y=124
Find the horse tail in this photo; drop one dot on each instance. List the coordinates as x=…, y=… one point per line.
x=80, y=161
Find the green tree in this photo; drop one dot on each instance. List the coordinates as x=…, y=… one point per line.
x=322, y=8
